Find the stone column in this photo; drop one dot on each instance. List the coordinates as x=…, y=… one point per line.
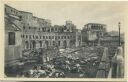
x=68, y=45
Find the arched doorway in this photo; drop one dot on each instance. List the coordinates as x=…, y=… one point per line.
x=34, y=44
x=64, y=43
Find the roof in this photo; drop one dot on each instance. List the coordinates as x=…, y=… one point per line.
x=25, y=12
x=10, y=7
x=95, y=24
x=111, y=38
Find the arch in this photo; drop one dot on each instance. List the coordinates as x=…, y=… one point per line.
x=33, y=44
x=46, y=43
x=64, y=43
x=26, y=44
x=71, y=43
x=58, y=43
x=54, y=43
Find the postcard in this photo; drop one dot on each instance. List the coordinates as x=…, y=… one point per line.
x=63, y=40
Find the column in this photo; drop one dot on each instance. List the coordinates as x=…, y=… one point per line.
x=68, y=45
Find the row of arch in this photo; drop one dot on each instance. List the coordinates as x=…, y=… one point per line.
x=41, y=44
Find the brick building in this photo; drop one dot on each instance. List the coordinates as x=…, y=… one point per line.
x=92, y=32
x=35, y=33
x=13, y=31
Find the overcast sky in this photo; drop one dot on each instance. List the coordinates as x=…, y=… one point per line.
x=80, y=13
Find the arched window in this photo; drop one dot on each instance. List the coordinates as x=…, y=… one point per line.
x=58, y=43
x=11, y=38
x=64, y=43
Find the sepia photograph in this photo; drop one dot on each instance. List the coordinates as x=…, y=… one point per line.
x=64, y=39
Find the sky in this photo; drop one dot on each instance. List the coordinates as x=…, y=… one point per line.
x=80, y=13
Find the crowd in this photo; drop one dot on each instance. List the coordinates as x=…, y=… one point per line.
x=62, y=67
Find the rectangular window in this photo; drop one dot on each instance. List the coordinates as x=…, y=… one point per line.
x=11, y=38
